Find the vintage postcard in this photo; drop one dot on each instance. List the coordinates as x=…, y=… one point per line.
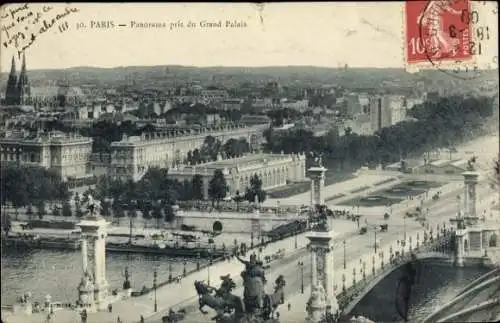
x=249, y=162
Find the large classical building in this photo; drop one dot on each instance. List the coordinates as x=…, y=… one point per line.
x=274, y=171
x=67, y=154
x=132, y=156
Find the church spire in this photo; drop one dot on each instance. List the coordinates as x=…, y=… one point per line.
x=11, y=94
x=13, y=66
x=23, y=85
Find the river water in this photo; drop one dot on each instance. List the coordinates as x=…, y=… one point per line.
x=438, y=283
x=58, y=273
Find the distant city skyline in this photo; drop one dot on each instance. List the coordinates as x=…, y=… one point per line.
x=365, y=34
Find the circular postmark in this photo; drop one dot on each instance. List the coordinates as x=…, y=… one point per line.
x=447, y=29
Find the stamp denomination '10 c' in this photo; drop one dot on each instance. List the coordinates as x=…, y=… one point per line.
x=438, y=32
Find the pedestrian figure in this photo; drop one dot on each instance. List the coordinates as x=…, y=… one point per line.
x=118, y=320
x=83, y=315
x=142, y=319
x=278, y=315
x=289, y=307
x=110, y=307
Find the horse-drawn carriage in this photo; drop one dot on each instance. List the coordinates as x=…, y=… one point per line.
x=280, y=254
x=255, y=303
x=174, y=317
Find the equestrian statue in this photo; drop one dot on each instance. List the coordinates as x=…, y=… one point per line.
x=256, y=306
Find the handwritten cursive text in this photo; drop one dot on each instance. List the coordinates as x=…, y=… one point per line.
x=23, y=25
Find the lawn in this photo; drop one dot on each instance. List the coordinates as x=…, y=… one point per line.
x=372, y=200
x=412, y=188
x=302, y=187
x=335, y=197
x=289, y=190
x=423, y=185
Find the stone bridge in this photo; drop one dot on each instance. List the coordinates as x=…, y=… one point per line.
x=440, y=246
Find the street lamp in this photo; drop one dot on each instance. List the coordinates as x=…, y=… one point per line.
x=301, y=265
x=296, y=232
x=375, y=244
x=155, y=275
x=404, y=223
x=344, y=254
x=208, y=269
x=169, y=273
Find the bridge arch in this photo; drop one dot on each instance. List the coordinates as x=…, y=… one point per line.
x=493, y=240
x=371, y=282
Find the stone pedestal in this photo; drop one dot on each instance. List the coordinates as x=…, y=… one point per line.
x=322, y=273
x=93, y=290
x=317, y=176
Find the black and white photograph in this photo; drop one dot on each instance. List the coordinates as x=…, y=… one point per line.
x=282, y=162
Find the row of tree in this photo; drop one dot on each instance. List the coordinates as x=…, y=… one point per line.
x=156, y=190
x=437, y=124
x=23, y=186
x=212, y=148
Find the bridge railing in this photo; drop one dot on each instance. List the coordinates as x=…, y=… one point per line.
x=350, y=291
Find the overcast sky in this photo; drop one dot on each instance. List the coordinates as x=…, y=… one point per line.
x=320, y=34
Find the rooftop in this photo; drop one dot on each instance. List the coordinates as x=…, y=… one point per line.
x=44, y=137
x=242, y=163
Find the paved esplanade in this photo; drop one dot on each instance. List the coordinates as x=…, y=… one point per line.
x=358, y=248
x=344, y=187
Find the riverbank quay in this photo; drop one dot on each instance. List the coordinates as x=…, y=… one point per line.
x=181, y=293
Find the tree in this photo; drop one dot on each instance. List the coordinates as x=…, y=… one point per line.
x=211, y=148
x=79, y=212
x=157, y=214
x=255, y=190
x=41, y=209
x=189, y=158
x=77, y=199
x=56, y=211
x=169, y=213
x=119, y=212
x=237, y=198
x=196, y=158
x=217, y=187
x=118, y=209
x=146, y=211
x=66, y=209
x=105, y=208
x=29, y=211
x=6, y=223
x=197, y=186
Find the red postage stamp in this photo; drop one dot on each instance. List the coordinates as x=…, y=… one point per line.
x=438, y=32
